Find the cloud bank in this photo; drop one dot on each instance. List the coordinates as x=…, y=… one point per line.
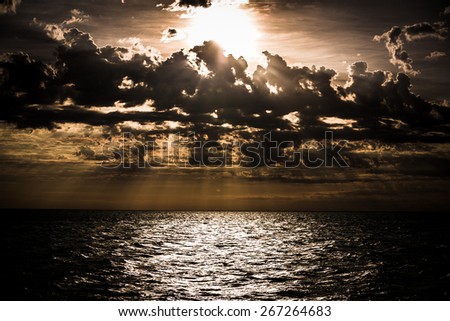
x=203, y=90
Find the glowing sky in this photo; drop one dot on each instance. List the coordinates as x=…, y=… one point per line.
x=76, y=75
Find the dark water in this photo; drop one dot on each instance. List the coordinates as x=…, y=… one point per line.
x=95, y=255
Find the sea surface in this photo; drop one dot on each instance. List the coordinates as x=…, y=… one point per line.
x=142, y=255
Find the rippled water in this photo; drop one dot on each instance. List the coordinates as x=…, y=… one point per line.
x=90, y=255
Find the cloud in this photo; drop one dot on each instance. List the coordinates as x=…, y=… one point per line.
x=435, y=55
x=78, y=16
x=189, y=6
x=172, y=34
x=396, y=37
x=424, y=30
x=194, y=3
x=204, y=90
x=394, y=45
x=88, y=153
x=24, y=82
x=447, y=10
x=9, y=6
x=186, y=5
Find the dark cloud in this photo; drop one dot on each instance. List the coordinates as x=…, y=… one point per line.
x=394, y=44
x=24, y=82
x=171, y=34
x=89, y=154
x=396, y=37
x=194, y=3
x=424, y=30
x=9, y=6
x=204, y=90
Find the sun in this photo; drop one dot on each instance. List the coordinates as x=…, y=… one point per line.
x=229, y=24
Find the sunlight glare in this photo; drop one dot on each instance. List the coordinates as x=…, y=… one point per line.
x=227, y=23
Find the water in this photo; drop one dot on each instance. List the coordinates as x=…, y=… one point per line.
x=119, y=255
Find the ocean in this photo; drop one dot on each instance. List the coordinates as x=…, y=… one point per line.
x=145, y=255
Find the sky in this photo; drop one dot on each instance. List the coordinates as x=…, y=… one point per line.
x=110, y=104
